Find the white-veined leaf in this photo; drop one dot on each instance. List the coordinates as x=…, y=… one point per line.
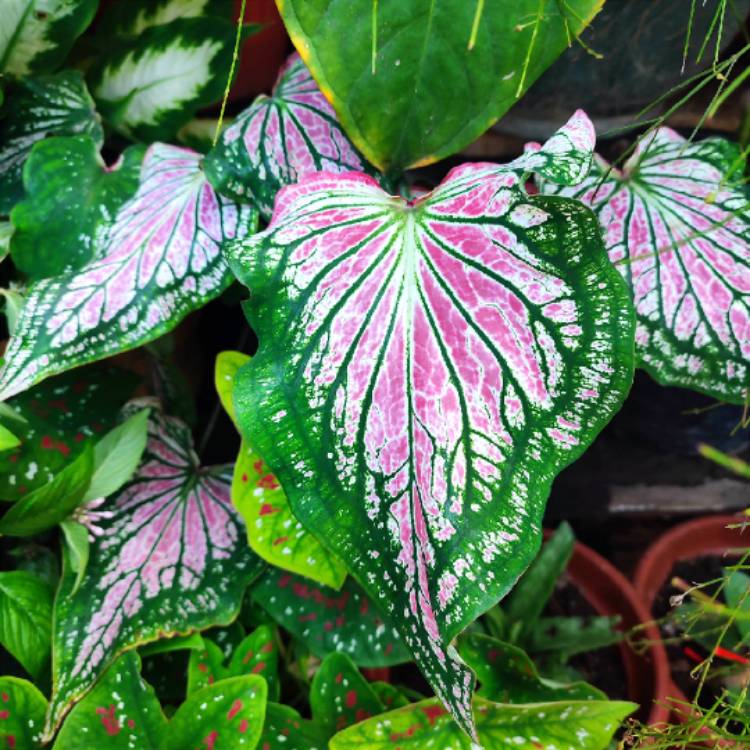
x=128, y=18
x=425, y=370
x=169, y=558
x=676, y=222
x=159, y=261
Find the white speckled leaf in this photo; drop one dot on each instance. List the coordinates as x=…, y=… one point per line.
x=425, y=370
x=159, y=261
x=677, y=226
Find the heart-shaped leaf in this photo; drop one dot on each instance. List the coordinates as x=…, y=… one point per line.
x=22, y=709
x=121, y=713
x=285, y=729
x=340, y=696
x=55, y=421
x=280, y=139
x=160, y=260
x=153, y=83
x=676, y=223
x=36, y=35
x=170, y=559
x=71, y=196
x=48, y=105
x=583, y=725
x=326, y=620
x=413, y=83
x=425, y=370
x=273, y=532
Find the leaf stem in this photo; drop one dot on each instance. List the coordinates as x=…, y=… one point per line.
x=235, y=57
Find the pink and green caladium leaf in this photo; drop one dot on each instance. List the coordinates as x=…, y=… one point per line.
x=273, y=532
x=340, y=696
x=55, y=421
x=280, y=139
x=39, y=107
x=71, y=196
x=425, y=370
x=327, y=621
x=159, y=261
x=676, y=223
x=415, y=82
x=122, y=712
x=583, y=725
x=22, y=709
x=285, y=729
x=170, y=559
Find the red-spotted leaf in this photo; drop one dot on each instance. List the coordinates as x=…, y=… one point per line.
x=258, y=654
x=280, y=139
x=326, y=620
x=340, y=696
x=273, y=532
x=159, y=261
x=425, y=370
x=121, y=713
x=205, y=666
x=171, y=558
x=285, y=729
x=676, y=222
x=55, y=421
x=228, y=715
x=22, y=709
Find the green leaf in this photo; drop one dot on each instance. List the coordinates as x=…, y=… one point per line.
x=340, y=696
x=36, y=35
x=583, y=725
x=258, y=653
x=6, y=232
x=191, y=642
x=168, y=558
x=530, y=595
x=37, y=108
x=326, y=620
x=389, y=695
x=228, y=714
x=56, y=421
x=13, y=304
x=285, y=729
x=128, y=18
x=159, y=261
x=117, y=455
x=26, y=619
x=205, y=666
x=72, y=196
x=51, y=503
x=568, y=636
x=150, y=86
x=737, y=594
x=76, y=537
x=7, y=439
x=273, y=532
x=120, y=713
x=22, y=708
x=507, y=675
x=424, y=372
x=404, y=79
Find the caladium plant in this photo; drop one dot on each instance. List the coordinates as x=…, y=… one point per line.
x=425, y=369
x=676, y=221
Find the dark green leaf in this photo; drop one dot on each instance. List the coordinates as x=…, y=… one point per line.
x=285, y=729
x=568, y=636
x=22, y=708
x=737, y=594
x=258, y=654
x=76, y=537
x=205, y=666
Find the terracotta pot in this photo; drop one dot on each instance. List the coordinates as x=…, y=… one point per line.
x=610, y=593
x=702, y=536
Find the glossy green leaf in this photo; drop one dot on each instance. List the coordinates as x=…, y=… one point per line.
x=192, y=642
x=36, y=35
x=258, y=653
x=71, y=198
x=228, y=715
x=13, y=302
x=22, y=709
x=425, y=370
x=205, y=666
x=117, y=455
x=159, y=261
x=168, y=557
x=76, y=537
x=26, y=619
x=151, y=85
x=285, y=729
x=327, y=621
x=40, y=107
x=507, y=675
x=130, y=18
x=564, y=637
x=415, y=82
x=56, y=421
x=389, y=695
x=579, y=725
x=53, y=502
x=7, y=439
x=120, y=713
x=273, y=532
x=6, y=233
x=340, y=696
